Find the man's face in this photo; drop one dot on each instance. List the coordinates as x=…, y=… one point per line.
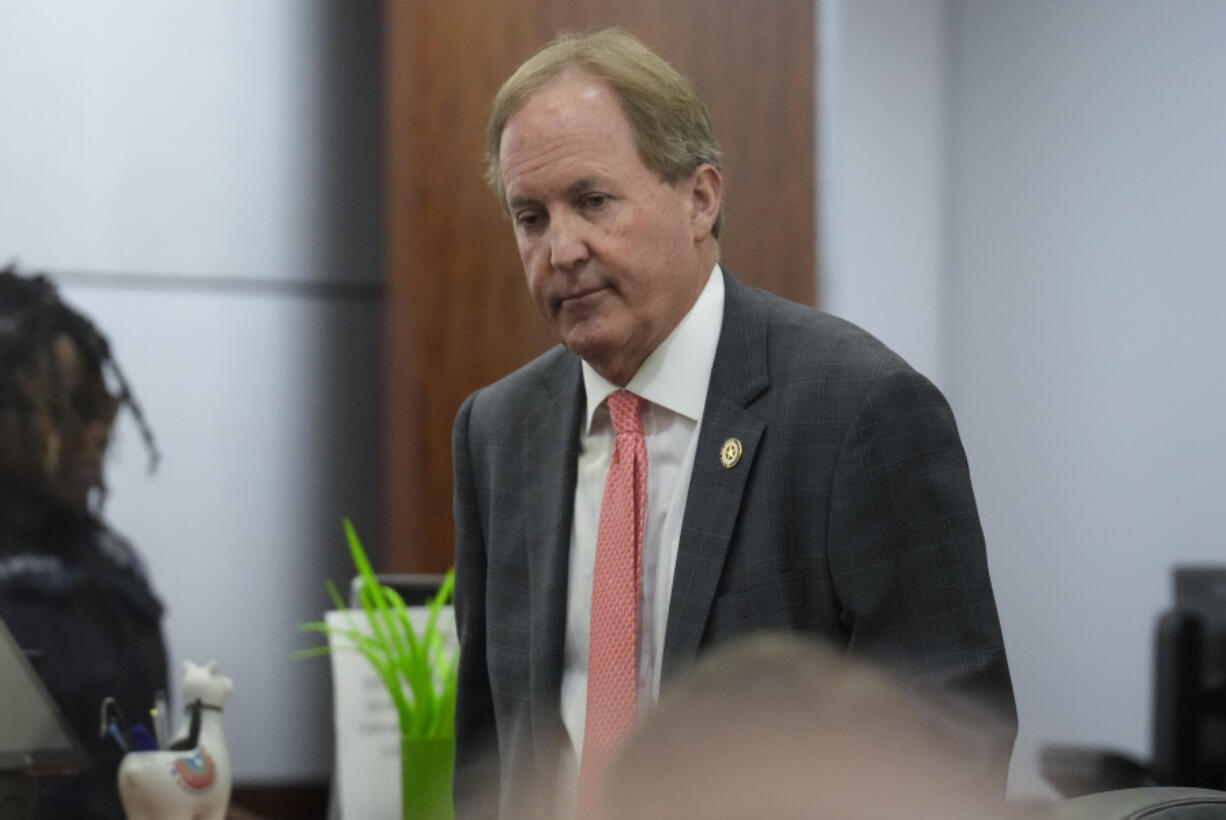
x=51, y=450
x=614, y=256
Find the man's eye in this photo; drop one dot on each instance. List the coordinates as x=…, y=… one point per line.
x=595, y=200
x=527, y=219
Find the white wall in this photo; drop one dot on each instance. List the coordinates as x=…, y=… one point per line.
x=882, y=168
x=1074, y=306
x=1086, y=335
x=204, y=178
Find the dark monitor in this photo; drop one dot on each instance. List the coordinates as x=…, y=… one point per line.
x=35, y=738
x=417, y=589
x=1200, y=599
x=1190, y=682
x=1202, y=590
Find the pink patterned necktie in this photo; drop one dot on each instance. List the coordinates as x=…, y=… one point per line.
x=612, y=680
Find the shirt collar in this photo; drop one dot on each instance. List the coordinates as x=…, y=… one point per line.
x=676, y=374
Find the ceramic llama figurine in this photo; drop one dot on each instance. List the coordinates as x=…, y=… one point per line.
x=191, y=783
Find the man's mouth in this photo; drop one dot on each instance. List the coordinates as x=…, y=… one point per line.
x=577, y=298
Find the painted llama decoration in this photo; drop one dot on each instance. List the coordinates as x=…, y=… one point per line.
x=191, y=779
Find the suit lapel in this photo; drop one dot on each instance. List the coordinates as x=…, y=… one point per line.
x=549, y=463
x=713, y=503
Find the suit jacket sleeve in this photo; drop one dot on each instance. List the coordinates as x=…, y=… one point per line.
x=476, y=764
x=907, y=557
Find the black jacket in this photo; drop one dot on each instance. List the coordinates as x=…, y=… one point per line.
x=76, y=597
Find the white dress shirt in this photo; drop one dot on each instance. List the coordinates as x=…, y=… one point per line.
x=673, y=380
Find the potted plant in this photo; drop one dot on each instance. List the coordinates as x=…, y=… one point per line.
x=420, y=675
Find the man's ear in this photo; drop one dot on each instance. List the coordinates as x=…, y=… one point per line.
x=706, y=198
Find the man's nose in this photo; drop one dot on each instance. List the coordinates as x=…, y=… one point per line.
x=567, y=242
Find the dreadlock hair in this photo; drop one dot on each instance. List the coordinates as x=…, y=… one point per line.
x=32, y=316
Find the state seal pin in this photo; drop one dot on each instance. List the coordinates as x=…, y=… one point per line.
x=730, y=453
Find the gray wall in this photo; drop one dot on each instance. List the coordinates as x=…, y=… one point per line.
x=1076, y=305
x=204, y=179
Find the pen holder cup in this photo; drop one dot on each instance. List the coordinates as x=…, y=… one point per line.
x=191, y=779
x=169, y=785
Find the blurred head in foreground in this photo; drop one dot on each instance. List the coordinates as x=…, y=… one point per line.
x=781, y=728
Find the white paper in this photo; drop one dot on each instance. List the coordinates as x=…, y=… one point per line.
x=367, y=725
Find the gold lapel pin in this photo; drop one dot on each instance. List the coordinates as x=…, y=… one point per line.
x=730, y=453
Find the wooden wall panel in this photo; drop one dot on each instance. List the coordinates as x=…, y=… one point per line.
x=458, y=313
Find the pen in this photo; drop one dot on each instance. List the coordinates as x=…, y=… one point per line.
x=111, y=723
x=159, y=713
x=193, y=734
x=114, y=732
x=142, y=740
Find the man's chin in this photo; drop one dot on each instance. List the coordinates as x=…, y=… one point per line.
x=587, y=340
x=607, y=359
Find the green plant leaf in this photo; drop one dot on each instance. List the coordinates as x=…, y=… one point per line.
x=418, y=671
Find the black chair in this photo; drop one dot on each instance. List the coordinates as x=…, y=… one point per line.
x=1159, y=803
x=1189, y=708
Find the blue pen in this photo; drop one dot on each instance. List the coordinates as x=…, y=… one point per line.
x=114, y=732
x=112, y=723
x=141, y=739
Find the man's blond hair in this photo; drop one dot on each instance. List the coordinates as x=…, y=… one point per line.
x=669, y=120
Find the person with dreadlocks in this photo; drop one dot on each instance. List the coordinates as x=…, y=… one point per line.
x=73, y=592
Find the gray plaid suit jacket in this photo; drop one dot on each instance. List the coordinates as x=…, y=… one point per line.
x=849, y=517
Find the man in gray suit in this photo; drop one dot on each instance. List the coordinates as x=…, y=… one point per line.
x=799, y=475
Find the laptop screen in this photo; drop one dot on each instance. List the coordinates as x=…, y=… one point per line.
x=34, y=736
